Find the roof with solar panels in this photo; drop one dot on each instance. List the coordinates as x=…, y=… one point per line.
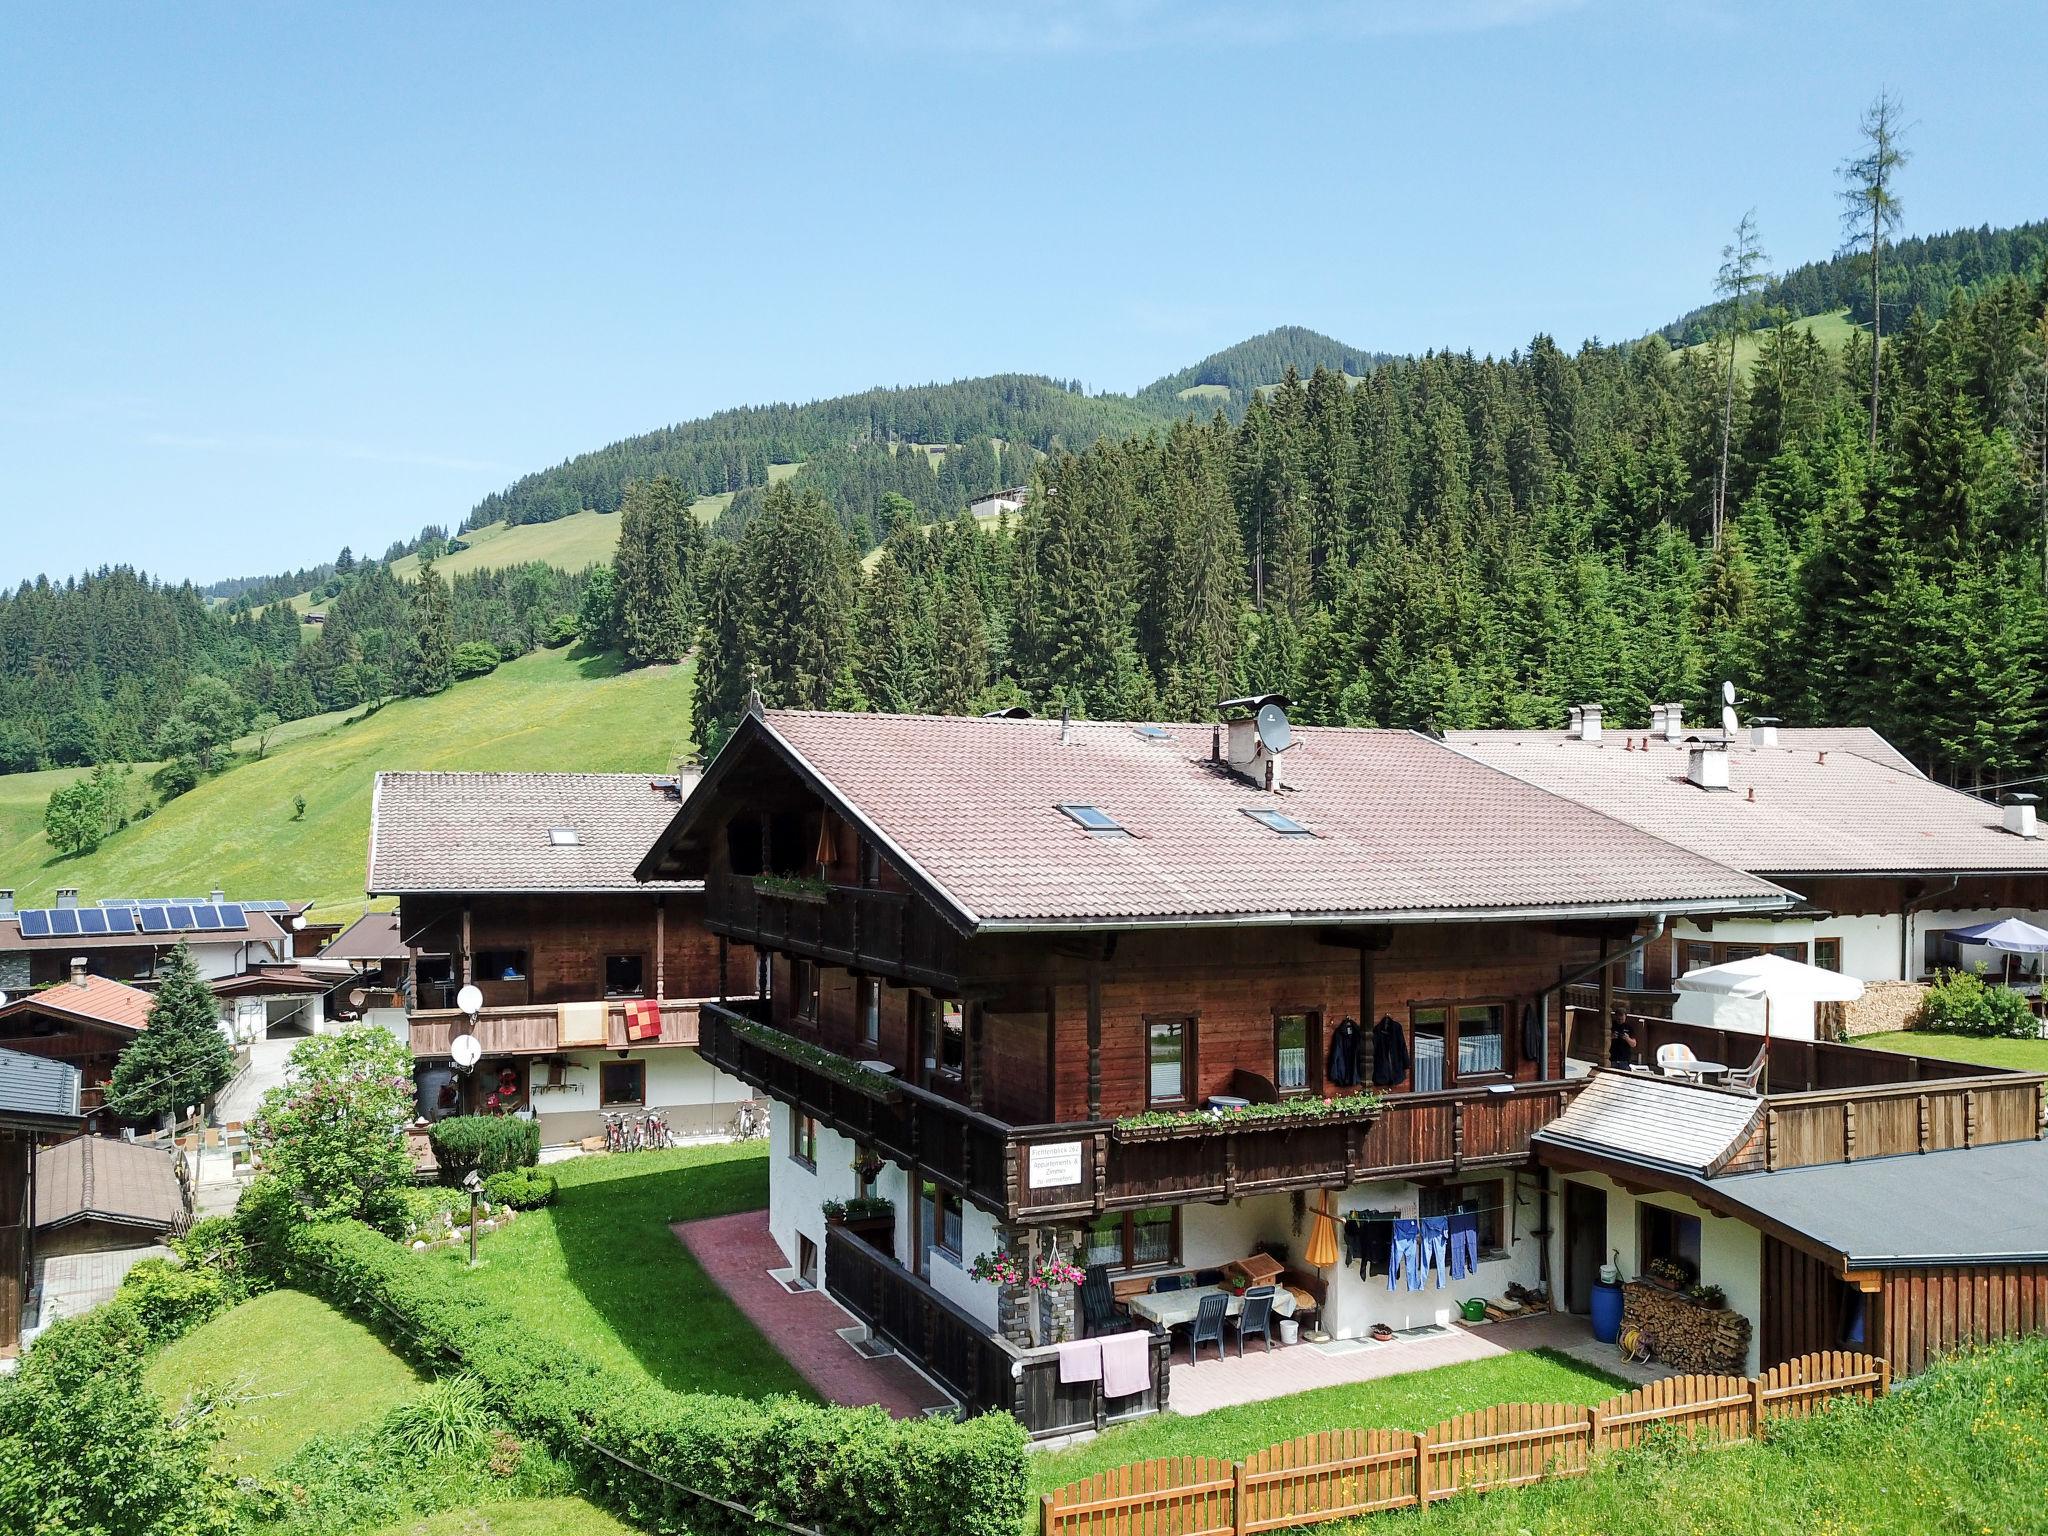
x=123, y=921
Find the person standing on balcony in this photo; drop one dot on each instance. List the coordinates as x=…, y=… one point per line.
x=1621, y=1043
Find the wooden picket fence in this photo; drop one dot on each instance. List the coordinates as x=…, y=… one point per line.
x=1345, y=1472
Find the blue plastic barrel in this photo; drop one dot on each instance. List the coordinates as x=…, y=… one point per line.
x=1606, y=1312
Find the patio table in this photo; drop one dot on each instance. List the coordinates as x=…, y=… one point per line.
x=1176, y=1309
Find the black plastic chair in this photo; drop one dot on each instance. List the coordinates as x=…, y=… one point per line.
x=1172, y=1282
x=1208, y=1325
x=1098, y=1303
x=1257, y=1317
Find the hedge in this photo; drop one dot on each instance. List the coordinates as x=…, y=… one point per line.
x=487, y=1143
x=841, y=1471
x=524, y=1189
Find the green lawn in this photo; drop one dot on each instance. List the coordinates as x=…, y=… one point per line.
x=1412, y=1402
x=295, y=1367
x=1832, y=330
x=517, y=1517
x=600, y=1272
x=2021, y=1055
x=548, y=710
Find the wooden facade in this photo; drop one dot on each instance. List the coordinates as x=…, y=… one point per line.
x=17, y=1173
x=92, y=1048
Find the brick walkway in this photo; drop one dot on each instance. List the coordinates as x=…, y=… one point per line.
x=737, y=1252
x=1304, y=1367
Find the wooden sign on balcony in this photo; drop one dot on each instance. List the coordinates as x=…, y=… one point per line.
x=1055, y=1164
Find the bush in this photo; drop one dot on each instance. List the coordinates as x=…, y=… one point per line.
x=524, y=1189
x=180, y=776
x=333, y=1134
x=170, y=1300
x=487, y=1144
x=1963, y=1003
x=473, y=658
x=218, y=1244
x=843, y=1471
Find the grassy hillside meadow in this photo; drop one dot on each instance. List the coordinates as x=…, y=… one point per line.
x=550, y=710
x=1832, y=330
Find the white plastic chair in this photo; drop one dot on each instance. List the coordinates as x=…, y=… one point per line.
x=1677, y=1060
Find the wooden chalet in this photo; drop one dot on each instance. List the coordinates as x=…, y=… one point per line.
x=39, y=1102
x=522, y=885
x=85, y=1022
x=1023, y=978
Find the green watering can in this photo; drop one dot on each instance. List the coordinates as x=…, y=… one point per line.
x=1474, y=1309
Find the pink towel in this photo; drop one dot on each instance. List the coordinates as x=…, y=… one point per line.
x=1126, y=1363
x=1081, y=1361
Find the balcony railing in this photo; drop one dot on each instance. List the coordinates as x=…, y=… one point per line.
x=851, y=925
x=534, y=1029
x=985, y=1372
x=1040, y=1172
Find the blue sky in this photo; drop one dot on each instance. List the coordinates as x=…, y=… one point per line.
x=284, y=277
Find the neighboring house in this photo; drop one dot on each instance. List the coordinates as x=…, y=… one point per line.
x=102, y=1205
x=372, y=949
x=1884, y=859
x=125, y=940
x=39, y=1099
x=522, y=885
x=1009, y=499
x=85, y=1022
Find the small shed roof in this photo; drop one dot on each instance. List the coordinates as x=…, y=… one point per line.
x=99, y=1178
x=371, y=937
x=36, y=1092
x=1655, y=1122
x=88, y=1000
x=1980, y=1205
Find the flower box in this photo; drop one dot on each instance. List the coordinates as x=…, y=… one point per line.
x=1290, y=1114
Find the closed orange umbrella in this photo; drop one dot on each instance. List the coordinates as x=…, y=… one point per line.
x=1322, y=1241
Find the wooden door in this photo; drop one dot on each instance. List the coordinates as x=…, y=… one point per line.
x=1585, y=1243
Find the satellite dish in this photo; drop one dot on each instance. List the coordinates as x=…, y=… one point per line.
x=1729, y=724
x=1275, y=734
x=467, y=1051
x=357, y=997
x=470, y=1000
x=1728, y=693
x=299, y=923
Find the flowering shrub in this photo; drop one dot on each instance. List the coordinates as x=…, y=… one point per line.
x=1962, y=1003
x=1007, y=1269
x=332, y=1137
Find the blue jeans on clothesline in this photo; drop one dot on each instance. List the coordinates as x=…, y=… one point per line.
x=1436, y=1244
x=1406, y=1256
x=1464, y=1244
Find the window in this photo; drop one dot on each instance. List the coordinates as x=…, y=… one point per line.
x=870, y=1013
x=621, y=1082
x=941, y=1221
x=563, y=837
x=1694, y=957
x=1486, y=1200
x=1279, y=821
x=1670, y=1236
x=624, y=975
x=1293, y=1046
x=870, y=863
x=1094, y=819
x=803, y=1140
x=1432, y=1031
x=1168, y=1065
x=1134, y=1239
x=1153, y=732
x=1827, y=954
x=804, y=988
x=1481, y=1042
x=945, y=1036
x=500, y=965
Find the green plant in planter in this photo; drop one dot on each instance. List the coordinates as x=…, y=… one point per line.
x=861, y=1208
x=800, y=887
x=1282, y=1111
x=1707, y=1296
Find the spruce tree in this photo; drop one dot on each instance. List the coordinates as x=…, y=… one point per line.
x=659, y=545
x=960, y=669
x=180, y=1057
x=430, y=648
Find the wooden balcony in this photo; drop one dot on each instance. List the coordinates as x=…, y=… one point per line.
x=884, y=932
x=1043, y=1172
x=534, y=1029
x=987, y=1373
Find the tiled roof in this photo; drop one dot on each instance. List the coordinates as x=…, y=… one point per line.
x=98, y=1178
x=1789, y=809
x=1860, y=739
x=37, y=1089
x=373, y=936
x=94, y=998
x=454, y=832
x=1657, y=1122
x=1402, y=826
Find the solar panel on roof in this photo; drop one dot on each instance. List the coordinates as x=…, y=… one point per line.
x=121, y=920
x=265, y=906
x=64, y=921
x=231, y=916
x=180, y=917
x=154, y=919
x=206, y=917
x=92, y=920
x=120, y=901
x=35, y=923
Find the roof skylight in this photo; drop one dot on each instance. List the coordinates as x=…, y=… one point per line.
x=1278, y=821
x=1153, y=732
x=563, y=837
x=1094, y=819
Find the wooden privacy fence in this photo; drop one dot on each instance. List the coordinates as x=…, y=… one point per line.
x=1346, y=1472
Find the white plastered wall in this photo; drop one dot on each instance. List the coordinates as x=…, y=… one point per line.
x=1731, y=1252
x=1870, y=941
x=676, y=1075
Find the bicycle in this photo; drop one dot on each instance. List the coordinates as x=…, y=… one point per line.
x=657, y=1131
x=751, y=1122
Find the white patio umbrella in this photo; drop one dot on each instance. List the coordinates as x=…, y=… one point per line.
x=1771, y=977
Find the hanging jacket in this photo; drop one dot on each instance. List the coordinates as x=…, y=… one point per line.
x=1532, y=1034
x=1347, y=1046
x=1389, y=1052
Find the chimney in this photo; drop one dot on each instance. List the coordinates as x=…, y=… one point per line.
x=2019, y=816
x=1706, y=765
x=1066, y=726
x=1572, y=720
x=78, y=970
x=1589, y=722
x=1763, y=731
x=1656, y=719
x=67, y=897
x=6, y=904
x=217, y=896
x=1255, y=733
x=1674, y=721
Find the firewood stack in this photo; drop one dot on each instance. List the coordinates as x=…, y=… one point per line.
x=1684, y=1334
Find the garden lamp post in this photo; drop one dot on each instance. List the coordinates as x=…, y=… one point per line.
x=474, y=1183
